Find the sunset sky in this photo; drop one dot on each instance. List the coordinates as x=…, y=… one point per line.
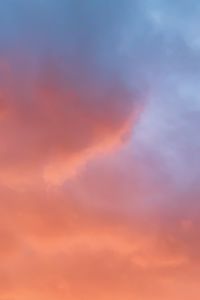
x=99, y=150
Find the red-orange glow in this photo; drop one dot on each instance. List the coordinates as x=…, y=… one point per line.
x=70, y=229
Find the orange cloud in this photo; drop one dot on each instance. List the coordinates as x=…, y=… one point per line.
x=96, y=236
x=50, y=124
x=53, y=248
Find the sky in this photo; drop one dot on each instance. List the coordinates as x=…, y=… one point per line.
x=99, y=150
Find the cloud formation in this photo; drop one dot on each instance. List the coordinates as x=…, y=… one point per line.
x=59, y=109
x=51, y=123
x=99, y=150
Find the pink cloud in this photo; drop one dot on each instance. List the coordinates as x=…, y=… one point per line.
x=51, y=125
x=90, y=238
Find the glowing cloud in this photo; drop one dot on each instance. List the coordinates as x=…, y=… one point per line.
x=99, y=150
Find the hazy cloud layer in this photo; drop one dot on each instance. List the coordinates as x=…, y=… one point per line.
x=99, y=150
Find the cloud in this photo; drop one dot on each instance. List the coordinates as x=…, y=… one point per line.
x=56, y=248
x=62, y=99
x=99, y=150
x=53, y=123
